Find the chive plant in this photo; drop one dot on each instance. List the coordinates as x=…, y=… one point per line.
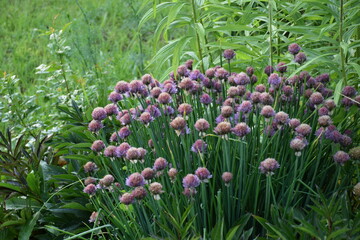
x=201, y=150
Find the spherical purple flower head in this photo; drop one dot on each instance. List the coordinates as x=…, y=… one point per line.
x=327, y=92
x=155, y=188
x=153, y=110
x=139, y=193
x=196, y=88
x=229, y=54
x=90, y=167
x=250, y=71
x=268, y=166
x=115, y=97
x=127, y=198
x=293, y=80
x=210, y=73
x=185, y=109
x=274, y=79
x=319, y=133
x=123, y=148
x=170, y=88
x=245, y=107
x=111, y=151
x=191, y=181
x=223, y=128
x=324, y=121
x=349, y=91
x=220, y=119
x=124, y=132
x=242, y=79
x=111, y=109
x=172, y=173
x=147, y=79
x=114, y=137
x=227, y=177
x=324, y=78
x=99, y=114
x=155, y=92
x=189, y=192
x=241, y=129
x=253, y=79
x=329, y=104
x=205, y=99
x=136, y=86
x=168, y=111
x=268, y=70
x=281, y=67
x=203, y=174
x=354, y=153
x=106, y=181
x=316, y=98
x=332, y=134
x=287, y=90
x=148, y=173
x=267, y=111
x=347, y=102
x=160, y=164
x=233, y=92
x=298, y=144
x=230, y=102
x=206, y=82
x=294, y=48
x=89, y=180
x=186, y=84
x=202, y=125
x=90, y=189
x=164, y=98
x=281, y=118
x=95, y=126
x=300, y=58
x=156, y=83
x=97, y=146
x=189, y=64
x=124, y=117
x=183, y=71
x=195, y=75
x=303, y=130
x=304, y=76
x=294, y=122
x=323, y=111
x=217, y=86
x=266, y=98
x=260, y=88
x=255, y=97
x=132, y=154
x=122, y=87
x=227, y=111
x=345, y=141
x=199, y=146
x=146, y=118
x=308, y=93
x=178, y=123
x=135, y=180
x=221, y=73
x=341, y=157
x=141, y=153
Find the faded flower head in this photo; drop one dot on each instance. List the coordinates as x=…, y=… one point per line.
x=90, y=189
x=127, y=198
x=223, y=128
x=99, y=114
x=203, y=174
x=341, y=157
x=241, y=129
x=227, y=177
x=90, y=167
x=268, y=166
x=98, y=146
x=303, y=130
x=199, y=146
x=148, y=173
x=160, y=164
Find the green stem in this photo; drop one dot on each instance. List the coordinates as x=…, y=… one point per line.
x=270, y=32
x=197, y=36
x=342, y=56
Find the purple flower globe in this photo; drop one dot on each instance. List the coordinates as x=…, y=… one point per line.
x=294, y=48
x=241, y=129
x=229, y=54
x=341, y=157
x=135, y=180
x=191, y=181
x=203, y=174
x=268, y=166
x=199, y=146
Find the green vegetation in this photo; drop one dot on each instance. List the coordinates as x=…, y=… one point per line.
x=60, y=60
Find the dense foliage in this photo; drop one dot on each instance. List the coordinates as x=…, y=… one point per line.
x=260, y=142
